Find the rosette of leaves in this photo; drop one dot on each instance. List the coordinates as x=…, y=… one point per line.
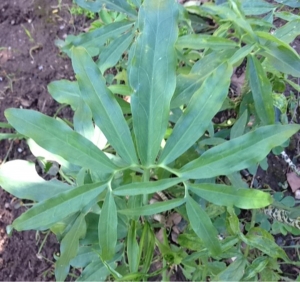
x=111, y=164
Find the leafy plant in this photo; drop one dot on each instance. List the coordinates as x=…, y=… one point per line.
x=116, y=156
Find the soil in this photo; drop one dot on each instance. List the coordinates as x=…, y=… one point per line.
x=29, y=60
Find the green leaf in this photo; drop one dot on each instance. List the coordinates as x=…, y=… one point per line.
x=115, y=5
x=139, y=188
x=234, y=272
x=238, y=153
x=239, y=127
x=152, y=75
x=257, y=266
x=203, y=226
x=132, y=248
x=28, y=185
x=95, y=271
x=57, y=138
x=46, y=213
x=224, y=195
x=280, y=55
x=65, y=92
x=106, y=111
x=107, y=228
x=201, y=41
x=69, y=247
x=240, y=54
x=261, y=91
x=291, y=3
x=112, y=53
x=288, y=32
x=187, y=85
x=93, y=40
x=202, y=107
x=256, y=7
x=154, y=208
x=85, y=255
x=265, y=245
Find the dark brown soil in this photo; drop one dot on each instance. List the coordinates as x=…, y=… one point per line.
x=29, y=60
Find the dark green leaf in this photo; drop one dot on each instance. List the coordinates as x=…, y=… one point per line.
x=139, y=188
x=154, y=208
x=69, y=247
x=202, y=107
x=106, y=110
x=238, y=153
x=261, y=91
x=44, y=214
x=107, y=228
x=152, y=75
x=203, y=226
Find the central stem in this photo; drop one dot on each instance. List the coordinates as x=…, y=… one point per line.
x=146, y=177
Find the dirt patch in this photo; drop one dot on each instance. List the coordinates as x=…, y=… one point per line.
x=29, y=60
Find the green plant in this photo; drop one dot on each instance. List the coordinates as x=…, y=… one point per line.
x=116, y=156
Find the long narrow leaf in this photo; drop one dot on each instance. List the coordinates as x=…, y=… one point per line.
x=115, y=5
x=51, y=211
x=57, y=138
x=201, y=41
x=203, y=226
x=202, y=107
x=154, y=208
x=107, y=228
x=261, y=91
x=152, y=75
x=238, y=153
x=224, y=195
x=149, y=187
x=106, y=110
x=69, y=247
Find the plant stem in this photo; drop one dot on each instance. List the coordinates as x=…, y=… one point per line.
x=146, y=177
x=252, y=223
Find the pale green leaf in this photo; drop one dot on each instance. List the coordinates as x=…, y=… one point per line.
x=69, y=247
x=203, y=226
x=132, y=248
x=93, y=40
x=44, y=214
x=95, y=271
x=256, y=7
x=202, y=107
x=234, y=272
x=240, y=54
x=154, y=208
x=28, y=185
x=239, y=126
x=115, y=5
x=113, y=52
x=288, y=32
x=139, y=188
x=238, y=153
x=187, y=85
x=202, y=41
x=106, y=111
x=85, y=255
x=107, y=228
x=224, y=195
x=152, y=75
x=261, y=91
x=57, y=138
